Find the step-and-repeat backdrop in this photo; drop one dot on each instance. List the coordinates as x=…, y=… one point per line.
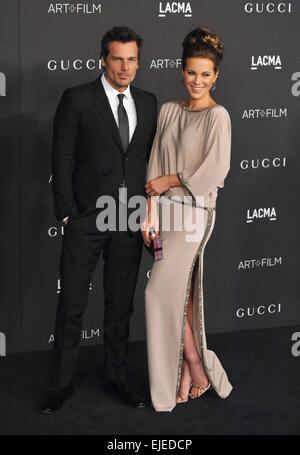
x=251, y=272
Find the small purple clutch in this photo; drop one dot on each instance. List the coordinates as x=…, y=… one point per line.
x=157, y=245
x=157, y=249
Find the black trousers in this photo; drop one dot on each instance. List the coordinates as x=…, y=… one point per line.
x=82, y=245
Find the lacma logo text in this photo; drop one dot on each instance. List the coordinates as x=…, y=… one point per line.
x=59, y=288
x=175, y=8
x=261, y=213
x=266, y=60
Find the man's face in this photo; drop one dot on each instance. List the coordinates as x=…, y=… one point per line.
x=121, y=64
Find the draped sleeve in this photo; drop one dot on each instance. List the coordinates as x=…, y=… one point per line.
x=207, y=175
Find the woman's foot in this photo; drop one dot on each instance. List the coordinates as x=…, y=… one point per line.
x=199, y=378
x=201, y=389
x=185, y=383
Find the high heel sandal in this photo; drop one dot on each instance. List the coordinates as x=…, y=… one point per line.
x=181, y=397
x=201, y=388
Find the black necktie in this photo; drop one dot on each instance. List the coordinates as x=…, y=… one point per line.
x=123, y=123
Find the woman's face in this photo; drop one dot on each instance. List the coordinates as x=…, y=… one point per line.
x=198, y=76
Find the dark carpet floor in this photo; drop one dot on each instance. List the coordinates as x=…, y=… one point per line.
x=265, y=399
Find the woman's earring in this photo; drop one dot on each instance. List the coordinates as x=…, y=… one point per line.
x=213, y=87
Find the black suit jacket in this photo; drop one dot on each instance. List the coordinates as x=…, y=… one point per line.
x=88, y=160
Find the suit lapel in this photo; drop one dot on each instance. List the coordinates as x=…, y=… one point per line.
x=140, y=117
x=105, y=112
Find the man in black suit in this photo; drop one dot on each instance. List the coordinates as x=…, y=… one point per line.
x=102, y=138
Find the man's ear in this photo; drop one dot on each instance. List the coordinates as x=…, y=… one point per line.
x=102, y=62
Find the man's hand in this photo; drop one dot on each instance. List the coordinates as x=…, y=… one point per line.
x=65, y=221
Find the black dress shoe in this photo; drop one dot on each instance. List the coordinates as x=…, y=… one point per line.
x=131, y=398
x=126, y=395
x=56, y=398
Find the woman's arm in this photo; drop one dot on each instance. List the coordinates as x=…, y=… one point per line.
x=211, y=172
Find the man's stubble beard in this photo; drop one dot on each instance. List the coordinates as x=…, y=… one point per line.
x=115, y=82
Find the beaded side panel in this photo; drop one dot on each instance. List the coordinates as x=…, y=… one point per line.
x=197, y=255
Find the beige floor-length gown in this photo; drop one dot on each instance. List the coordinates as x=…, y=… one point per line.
x=195, y=145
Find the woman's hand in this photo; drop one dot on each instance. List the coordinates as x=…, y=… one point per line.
x=151, y=220
x=145, y=229
x=156, y=187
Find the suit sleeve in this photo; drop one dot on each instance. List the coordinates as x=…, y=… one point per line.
x=154, y=126
x=204, y=178
x=154, y=167
x=64, y=143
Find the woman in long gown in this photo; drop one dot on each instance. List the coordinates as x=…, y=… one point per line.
x=189, y=161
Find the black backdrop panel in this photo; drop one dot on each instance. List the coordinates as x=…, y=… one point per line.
x=10, y=251
x=251, y=259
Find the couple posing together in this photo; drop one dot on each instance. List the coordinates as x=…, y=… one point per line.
x=105, y=132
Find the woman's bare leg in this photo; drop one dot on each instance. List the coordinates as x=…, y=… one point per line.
x=192, y=367
x=192, y=355
x=185, y=383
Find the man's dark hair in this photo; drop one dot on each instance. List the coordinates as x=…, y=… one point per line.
x=121, y=34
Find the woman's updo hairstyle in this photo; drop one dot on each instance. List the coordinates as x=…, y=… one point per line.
x=201, y=42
